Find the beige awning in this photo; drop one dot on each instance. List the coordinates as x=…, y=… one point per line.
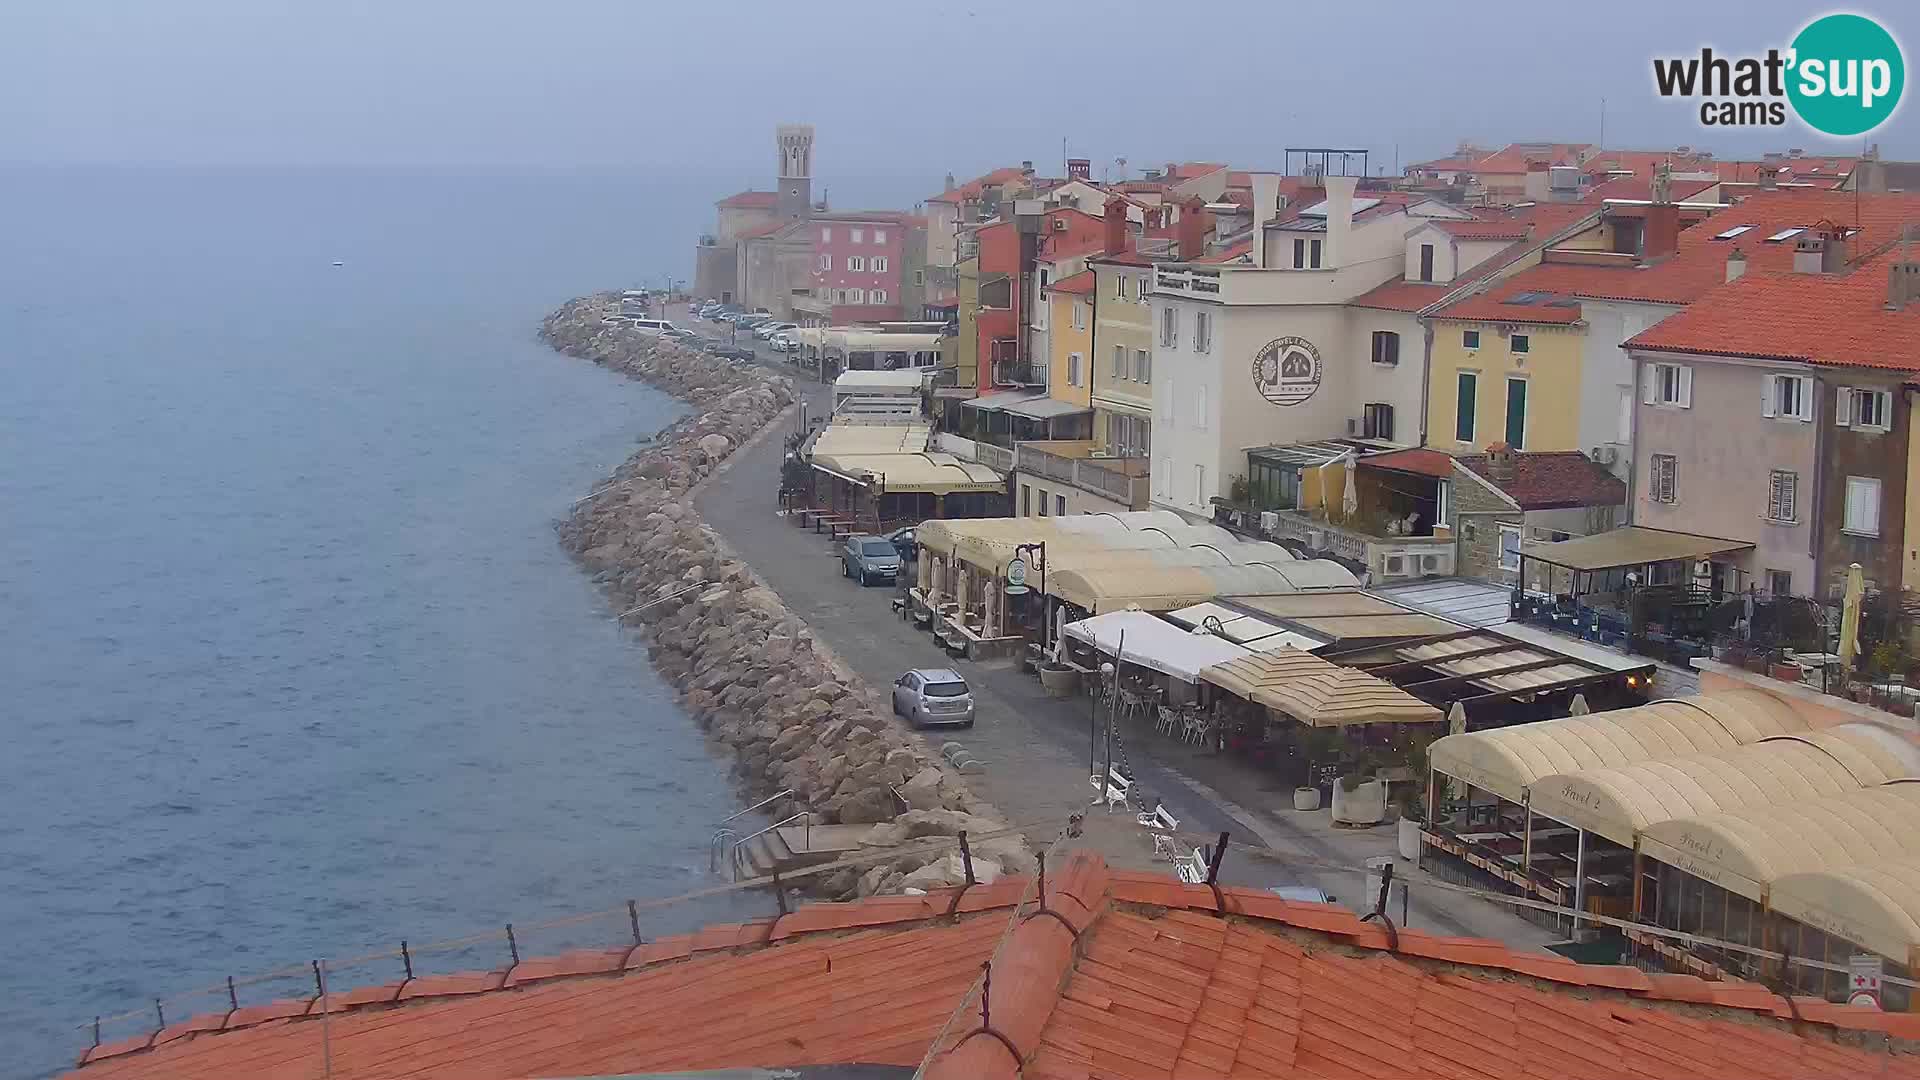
x=857, y=438
x=938, y=474
x=1163, y=588
x=1621, y=802
x=1874, y=905
x=1507, y=761
x=1746, y=851
x=1316, y=692
x=1348, y=614
x=1631, y=545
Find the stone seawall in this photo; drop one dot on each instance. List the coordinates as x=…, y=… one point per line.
x=748, y=670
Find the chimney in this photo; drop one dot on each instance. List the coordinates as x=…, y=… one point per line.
x=1119, y=237
x=1500, y=462
x=1026, y=168
x=1266, y=203
x=1538, y=183
x=1171, y=168
x=1809, y=252
x=1194, y=223
x=1153, y=217
x=1339, y=219
x=1769, y=178
x=1660, y=237
x=1903, y=275
x=1079, y=168
x=1736, y=265
x=950, y=183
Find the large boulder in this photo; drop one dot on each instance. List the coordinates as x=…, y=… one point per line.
x=922, y=791
x=865, y=807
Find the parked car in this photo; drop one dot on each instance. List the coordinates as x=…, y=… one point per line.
x=905, y=541
x=865, y=557
x=652, y=326
x=783, y=343
x=1306, y=894
x=733, y=352
x=930, y=696
x=766, y=330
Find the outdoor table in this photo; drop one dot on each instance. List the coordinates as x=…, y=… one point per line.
x=1479, y=837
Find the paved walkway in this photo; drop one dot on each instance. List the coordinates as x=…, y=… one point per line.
x=1036, y=749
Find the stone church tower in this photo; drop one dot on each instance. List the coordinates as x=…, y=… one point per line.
x=796, y=170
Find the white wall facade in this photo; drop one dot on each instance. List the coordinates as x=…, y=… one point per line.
x=1607, y=387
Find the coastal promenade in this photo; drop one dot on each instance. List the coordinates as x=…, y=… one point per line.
x=1036, y=749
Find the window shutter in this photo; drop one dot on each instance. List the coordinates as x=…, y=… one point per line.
x=1843, y=406
x=1686, y=387
x=1768, y=395
x=1805, y=400
x=1650, y=383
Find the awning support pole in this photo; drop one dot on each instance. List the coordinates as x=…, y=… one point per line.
x=1579, y=876
x=1526, y=836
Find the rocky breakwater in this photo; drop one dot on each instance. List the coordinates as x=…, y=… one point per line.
x=750, y=671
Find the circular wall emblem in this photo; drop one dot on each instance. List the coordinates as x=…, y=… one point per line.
x=1287, y=371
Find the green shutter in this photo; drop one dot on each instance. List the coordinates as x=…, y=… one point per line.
x=1516, y=412
x=1466, y=391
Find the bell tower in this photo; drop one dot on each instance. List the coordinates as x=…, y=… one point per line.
x=795, y=143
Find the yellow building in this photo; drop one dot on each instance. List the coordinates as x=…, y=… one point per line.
x=1070, y=339
x=1507, y=372
x=1121, y=360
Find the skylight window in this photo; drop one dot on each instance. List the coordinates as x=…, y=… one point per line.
x=1733, y=232
x=1526, y=298
x=1786, y=234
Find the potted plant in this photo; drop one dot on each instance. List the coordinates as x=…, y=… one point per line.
x=1360, y=797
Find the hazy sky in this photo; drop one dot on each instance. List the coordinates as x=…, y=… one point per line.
x=895, y=89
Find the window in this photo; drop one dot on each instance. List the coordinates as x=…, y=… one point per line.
x=1780, y=583
x=1520, y=343
x=1202, y=331
x=1026, y=500
x=1517, y=413
x=1386, y=347
x=1863, y=506
x=919, y=277
x=1469, y=339
x=1169, y=326
x=1073, y=369
x=1669, y=384
x=1871, y=410
x=1060, y=505
x=856, y=296
x=878, y=264
x=1733, y=232
x=1200, y=406
x=1787, y=397
x=856, y=262
x=1443, y=504
x=1426, y=262
x=826, y=262
x=1300, y=254
x=1079, y=315
x=1142, y=365
x=1120, y=287
x=1142, y=287
x=1377, y=421
x=1786, y=234
x=1783, y=491
x=826, y=235
x=1046, y=277
x=1466, y=392
x=880, y=237
x=1661, y=478
x=856, y=235
x=877, y=296
x=1313, y=253
x=1199, y=485
x=839, y=296
x=1510, y=547
x=1119, y=361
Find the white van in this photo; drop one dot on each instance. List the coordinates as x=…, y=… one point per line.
x=651, y=326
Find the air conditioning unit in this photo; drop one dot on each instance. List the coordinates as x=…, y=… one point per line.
x=1393, y=565
x=1430, y=564
x=1269, y=521
x=1059, y=224
x=1605, y=455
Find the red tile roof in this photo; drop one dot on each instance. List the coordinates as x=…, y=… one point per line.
x=1509, y=229
x=1553, y=480
x=1421, y=462
x=1815, y=318
x=1798, y=170
x=1187, y=170
x=1402, y=295
x=1700, y=264
x=1226, y=255
x=1079, y=284
x=973, y=188
x=1537, y=305
x=1641, y=187
x=750, y=200
x=1128, y=257
x=1516, y=157
x=1138, y=975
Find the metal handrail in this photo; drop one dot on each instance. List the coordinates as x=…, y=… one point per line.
x=713, y=849
x=783, y=793
x=734, y=865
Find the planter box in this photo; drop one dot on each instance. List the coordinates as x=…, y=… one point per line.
x=1306, y=799
x=1786, y=672
x=1059, y=681
x=1366, y=804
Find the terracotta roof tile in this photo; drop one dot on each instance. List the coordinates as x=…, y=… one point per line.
x=1553, y=480
x=1079, y=284
x=973, y=188
x=1402, y=295
x=751, y=200
x=1156, y=984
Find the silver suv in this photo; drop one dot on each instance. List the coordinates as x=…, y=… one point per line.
x=933, y=696
x=866, y=557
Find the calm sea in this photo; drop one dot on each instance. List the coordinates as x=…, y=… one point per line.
x=291, y=665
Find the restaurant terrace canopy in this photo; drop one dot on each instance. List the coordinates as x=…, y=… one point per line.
x=1631, y=545
x=1316, y=692
x=1164, y=588
x=1621, y=802
x=1874, y=905
x=1747, y=851
x=1508, y=761
x=1136, y=637
x=924, y=473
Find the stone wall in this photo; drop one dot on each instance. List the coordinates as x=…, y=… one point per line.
x=749, y=671
x=1478, y=513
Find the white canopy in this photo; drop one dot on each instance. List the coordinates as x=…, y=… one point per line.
x=1153, y=642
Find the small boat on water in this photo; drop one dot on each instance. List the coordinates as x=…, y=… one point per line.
x=338, y=262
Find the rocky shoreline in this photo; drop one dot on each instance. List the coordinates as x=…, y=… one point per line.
x=749, y=670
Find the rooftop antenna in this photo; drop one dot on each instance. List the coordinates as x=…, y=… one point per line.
x=1603, y=123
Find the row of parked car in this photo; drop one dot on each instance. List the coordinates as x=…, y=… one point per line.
x=924, y=697
x=767, y=328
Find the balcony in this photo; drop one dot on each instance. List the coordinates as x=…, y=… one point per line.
x=1386, y=557
x=1018, y=373
x=1123, y=480
x=709, y=240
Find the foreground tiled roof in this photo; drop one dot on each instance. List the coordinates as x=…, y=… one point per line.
x=1700, y=263
x=751, y=200
x=1553, y=480
x=1125, y=975
x=1079, y=284
x=1817, y=318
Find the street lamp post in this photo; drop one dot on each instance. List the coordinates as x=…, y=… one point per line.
x=1093, y=731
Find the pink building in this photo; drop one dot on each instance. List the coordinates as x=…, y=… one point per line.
x=857, y=264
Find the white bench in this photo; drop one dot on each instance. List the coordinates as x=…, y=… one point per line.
x=1117, y=787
